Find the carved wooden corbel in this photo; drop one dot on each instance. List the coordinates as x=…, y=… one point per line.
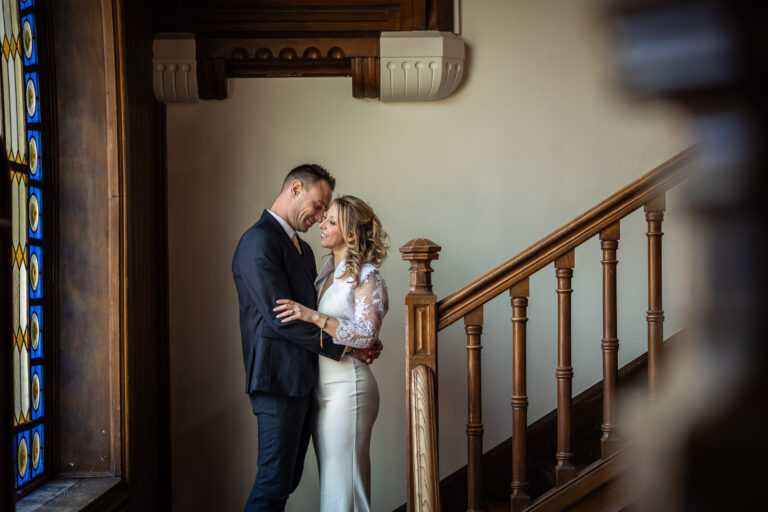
x=415, y=66
x=174, y=68
x=422, y=65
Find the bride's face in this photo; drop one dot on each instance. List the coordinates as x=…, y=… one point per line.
x=331, y=236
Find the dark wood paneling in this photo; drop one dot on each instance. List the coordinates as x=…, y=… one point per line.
x=311, y=48
x=266, y=17
x=220, y=59
x=145, y=314
x=440, y=15
x=365, y=77
x=288, y=67
x=46, y=48
x=85, y=400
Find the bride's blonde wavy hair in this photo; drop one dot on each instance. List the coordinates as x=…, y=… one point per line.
x=369, y=242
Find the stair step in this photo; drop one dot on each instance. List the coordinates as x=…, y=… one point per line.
x=498, y=506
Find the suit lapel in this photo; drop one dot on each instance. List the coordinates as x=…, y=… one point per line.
x=307, y=265
x=300, y=260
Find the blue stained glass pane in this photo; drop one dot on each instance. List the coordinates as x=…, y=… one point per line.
x=35, y=155
x=21, y=459
x=35, y=272
x=23, y=4
x=36, y=338
x=35, y=210
x=36, y=452
x=29, y=40
x=36, y=387
x=31, y=93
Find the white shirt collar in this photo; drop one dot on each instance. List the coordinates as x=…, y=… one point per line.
x=287, y=227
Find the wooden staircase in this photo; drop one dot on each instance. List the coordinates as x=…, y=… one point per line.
x=565, y=483
x=541, y=436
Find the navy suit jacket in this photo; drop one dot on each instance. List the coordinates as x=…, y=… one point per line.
x=279, y=358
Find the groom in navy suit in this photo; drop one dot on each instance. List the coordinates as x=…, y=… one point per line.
x=271, y=262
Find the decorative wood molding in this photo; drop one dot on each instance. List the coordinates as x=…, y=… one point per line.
x=420, y=65
x=307, y=47
x=424, y=441
x=566, y=238
x=174, y=68
x=277, y=16
x=420, y=252
x=365, y=77
x=220, y=59
x=267, y=38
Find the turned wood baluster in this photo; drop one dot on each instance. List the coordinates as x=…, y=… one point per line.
x=565, y=470
x=420, y=349
x=473, y=326
x=609, y=242
x=519, y=499
x=654, y=215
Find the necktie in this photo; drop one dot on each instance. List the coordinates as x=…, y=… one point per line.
x=295, y=240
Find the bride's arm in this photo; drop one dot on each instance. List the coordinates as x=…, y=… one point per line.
x=371, y=304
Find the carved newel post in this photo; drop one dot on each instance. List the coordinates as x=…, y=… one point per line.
x=421, y=377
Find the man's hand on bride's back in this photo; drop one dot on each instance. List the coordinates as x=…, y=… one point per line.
x=370, y=354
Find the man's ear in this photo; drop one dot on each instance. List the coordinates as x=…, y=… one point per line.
x=296, y=187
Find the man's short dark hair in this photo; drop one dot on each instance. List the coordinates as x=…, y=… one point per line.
x=308, y=174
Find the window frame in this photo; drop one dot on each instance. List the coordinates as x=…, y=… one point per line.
x=134, y=140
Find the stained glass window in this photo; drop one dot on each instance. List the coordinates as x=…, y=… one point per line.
x=22, y=130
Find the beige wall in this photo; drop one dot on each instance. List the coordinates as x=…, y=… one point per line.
x=537, y=134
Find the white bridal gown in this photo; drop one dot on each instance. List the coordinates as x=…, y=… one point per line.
x=347, y=397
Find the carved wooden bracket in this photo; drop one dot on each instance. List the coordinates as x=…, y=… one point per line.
x=422, y=65
x=266, y=38
x=174, y=68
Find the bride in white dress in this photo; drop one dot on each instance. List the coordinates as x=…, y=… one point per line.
x=352, y=304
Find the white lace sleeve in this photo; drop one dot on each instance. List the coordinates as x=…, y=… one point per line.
x=371, y=304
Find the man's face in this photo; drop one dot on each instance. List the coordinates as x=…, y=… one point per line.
x=309, y=204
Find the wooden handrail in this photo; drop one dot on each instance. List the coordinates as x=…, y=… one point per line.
x=568, y=237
